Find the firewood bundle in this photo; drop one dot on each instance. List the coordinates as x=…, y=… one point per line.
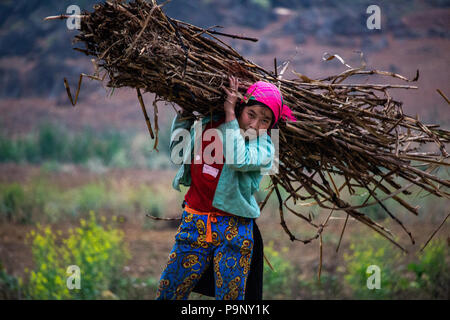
x=353, y=132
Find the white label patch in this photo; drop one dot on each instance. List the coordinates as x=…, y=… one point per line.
x=210, y=170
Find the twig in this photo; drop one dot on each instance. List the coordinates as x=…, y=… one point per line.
x=147, y=119
x=66, y=16
x=435, y=231
x=162, y=219
x=443, y=95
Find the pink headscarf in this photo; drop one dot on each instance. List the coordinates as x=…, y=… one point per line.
x=268, y=94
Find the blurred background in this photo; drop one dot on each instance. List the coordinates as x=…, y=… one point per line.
x=76, y=182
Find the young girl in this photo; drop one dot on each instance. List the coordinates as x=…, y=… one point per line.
x=219, y=208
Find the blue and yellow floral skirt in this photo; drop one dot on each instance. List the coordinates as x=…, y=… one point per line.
x=230, y=252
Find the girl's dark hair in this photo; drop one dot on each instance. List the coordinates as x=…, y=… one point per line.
x=241, y=105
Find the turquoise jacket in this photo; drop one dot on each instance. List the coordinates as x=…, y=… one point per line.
x=240, y=178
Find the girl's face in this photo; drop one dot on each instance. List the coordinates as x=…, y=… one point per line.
x=256, y=117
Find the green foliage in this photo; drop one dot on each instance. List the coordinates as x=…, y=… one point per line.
x=98, y=251
x=91, y=196
x=426, y=277
x=41, y=200
x=134, y=288
x=329, y=287
x=12, y=198
x=18, y=203
x=8, y=150
x=375, y=250
x=277, y=283
x=51, y=141
x=53, y=144
x=10, y=286
x=432, y=271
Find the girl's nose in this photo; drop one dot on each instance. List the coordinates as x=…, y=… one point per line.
x=253, y=125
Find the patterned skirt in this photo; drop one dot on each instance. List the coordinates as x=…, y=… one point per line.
x=230, y=251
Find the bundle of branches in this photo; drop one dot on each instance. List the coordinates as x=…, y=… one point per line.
x=350, y=130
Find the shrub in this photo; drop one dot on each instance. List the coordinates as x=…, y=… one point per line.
x=329, y=287
x=136, y=288
x=7, y=150
x=91, y=196
x=52, y=142
x=432, y=275
x=375, y=250
x=9, y=285
x=99, y=253
x=15, y=204
x=277, y=283
x=12, y=199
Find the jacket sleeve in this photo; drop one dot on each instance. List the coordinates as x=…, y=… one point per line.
x=178, y=124
x=241, y=156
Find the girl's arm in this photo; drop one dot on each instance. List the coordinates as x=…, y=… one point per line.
x=241, y=156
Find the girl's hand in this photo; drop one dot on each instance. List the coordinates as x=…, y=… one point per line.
x=232, y=95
